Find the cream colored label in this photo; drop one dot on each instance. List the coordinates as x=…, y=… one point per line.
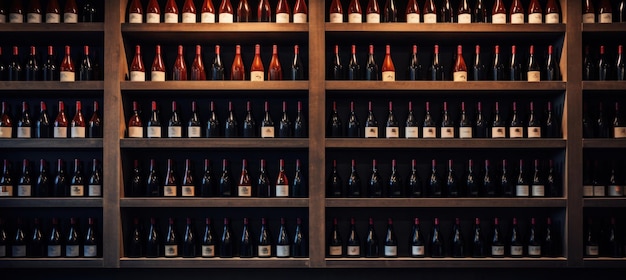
x=534, y=250
x=53, y=18
x=90, y=251
x=615, y=190
x=6, y=190
x=169, y=191
x=553, y=18
x=300, y=18
x=447, y=132
x=194, y=132
x=23, y=132
x=599, y=191
x=411, y=132
x=619, y=132
x=135, y=18
x=267, y=132
x=413, y=18
x=153, y=18
x=257, y=76
x=460, y=76
x=497, y=251
x=24, y=190
x=188, y=191
x=373, y=18
x=54, y=250
x=244, y=191
x=3, y=19
x=282, y=190
x=60, y=132
x=189, y=18
x=16, y=18
x=33, y=18
x=95, y=190
x=6, y=132
x=589, y=18
x=535, y=18
x=591, y=250
x=465, y=132
x=517, y=250
x=429, y=132
x=70, y=18
x=208, y=251
x=587, y=191
x=371, y=132
x=72, y=250
x=534, y=132
x=282, y=250
x=606, y=18
x=389, y=76
x=174, y=132
x=392, y=132
x=417, y=250
x=265, y=250
x=336, y=18
x=355, y=18
x=521, y=190
x=430, y=18
x=335, y=251
x=137, y=76
x=354, y=250
x=498, y=19
x=226, y=18
x=77, y=190
x=207, y=18
x=539, y=190
x=534, y=76
x=498, y=132
x=464, y=18
x=171, y=250
x=157, y=76
x=171, y=18
x=154, y=132
x=282, y=18
x=517, y=18
x=516, y=132
x=391, y=251
x=135, y=132
x=67, y=76
x=77, y=132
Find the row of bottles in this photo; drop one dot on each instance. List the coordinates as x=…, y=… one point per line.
x=603, y=237
x=514, y=69
x=213, y=127
x=442, y=11
x=604, y=11
x=34, y=68
x=602, y=67
x=209, y=243
x=34, y=12
x=534, y=241
x=24, y=182
x=224, y=13
x=477, y=126
x=42, y=126
x=210, y=184
x=217, y=71
x=603, y=178
x=600, y=125
x=55, y=242
x=474, y=180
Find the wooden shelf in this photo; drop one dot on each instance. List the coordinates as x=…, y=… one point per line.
x=214, y=85
x=445, y=27
x=444, y=262
x=604, y=143
x=51, y=85
x=605, y=85
x=189, y=143
x=604, y=202
x=53, y=27
x=400, y=143
x=604, y=27
x=52, y=143
x=51, y=202
x=604, y=262
x=445, y=202
x=513, y=86
x=214, y=202
x=215, y=262
x=51, y=262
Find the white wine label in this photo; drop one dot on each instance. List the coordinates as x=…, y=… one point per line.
x=94, y=190
x=391, y=251
x=521, y=190
x=265, y=250
x=3, y=19
x=72, y=250
x=534, y=132
x=371, y=132
x=67, y=76
x=20, y=251
x=498, y=19
x=257, y=76
x=464, y=18
x=616, y=190
x=430, y=18
x=553, y=18
x=174, y=132
x=282, y=250
x=589, y=18
x=534, y=76
x=335, y=251
x=516, y=132
x=517, y=18
x=135, y=132
x=619, y=132
x=417, y=251
x=535, y=18
x=606, y=18
x=429, y=132
x=137, y=76
x=465, y=132
x=16, y=18
x=300, y=18
x=460, y=76
x=6, y=190
x=282, y=18
x=90, y=251
x=171, y=250
x=77, y=132
x=153, y=18
x=70, y=18
x=587, y=191
x=497, y=251
x=498, y=132
x=6, y=132
x=447, y=132
x=282, y=190
x=411, y=132
x=373, y=18
x=3, y=251
x=207, y=18
x=392, y=132
x=534, y=250
x=517, y=250
x=154, y=132
x=208, y=251
x=226, y=18
x=189, y=18
x=591, y=250
x=599, y=191
x=60, y=132
x=24, y=190
x=267, y=132
x=169, y=191
x=413, y=18
x=157, y=76
x=171, y=18
x=538, y=190
x=53, y=18
x=23, y=132
x=188, y=190
x=389, y=76
x=355, y=18
x=54, y=250
x=77, y=190
x=244, y=191
x=336, y=18
x=135, y=18
x=194, y=132
x=354, y=250
x=33, y=18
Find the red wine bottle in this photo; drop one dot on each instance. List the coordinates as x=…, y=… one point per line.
x=465, y=124
x=35, y=247
x=135, y=124
x=533, y=129
x=516, y=12
x=452, y=185
x=435, y=188
x=53, y=13
x=430, y=11
x=72, y=240
x=189, y=12
x=16, y=12
x=14, y=69
x=208, y=242
x=515, y=66
x=498, y=127
x=283, y=242
x=620, y=66
x=375, y=185
x=480, y=125
x=90, y=242
x=60, y=122
x=95, y=126
x=244, y=188
x=135, y=12
x=412, y=12
x=299, y=187
x=445, y=12
x=213, y=124
x=189, y=241
x=337, y=71
x=42, y=186
x=436, y=242
x=257, y=71
x=70, y=12
x=489, y=188
x=6, y=181
x=551, y=68
x=516, y=247
x=194, y=126
x=416, y=240
x=25, y=181
x=264, y=11
x=478, y=244
x=392, y=129
x=354, y=69
x=77, y=182
x=54, y=240
x=458, y=242
x=86, y=69
x=436, y=69
x=282, y=182
x=275, y=71
x=208, y=183
x=411, y=130
x=335, y=246
x=267, y=125
x=497, y=243
x=171, y=243
x=49, y=69
x=447, y=124
x=353, y=185
x=537, y=185
x=472, y=188
x=498, y=13
x=237, y=69
x=6, y=122
x=371, y=124
x=264, y=246
x=415, y=71
x=335, y=12
x=283, y=12
x=390, y=11
x=77, y=125
x=197, y=67
x=463, y=13
x=300, y=13
x=388, y=70
x=429, y=129
x=353, y=244
x=395, y=184
x=67, y=72
x=604, y=67
x=391, y=242
x=284, y=125
x=249, y=124
x=605, y=12
x=174, y=125
x=552, y=12
x=618, y=125
x=354, y=126
x=355, y=14
x=153, y=12
x=534, y=70
x=534, y=241
x=226, y=183
x=246, y=246
x=94, y=182
x=170, y=186
x=153, y=241
x=31, y=69
x=522, y=188
x=188, y=187
x=230, y=127
x=299, y=124
x=171, y=12
x=154, y=124
x=264, y=185
x=478, y=67
x=371, y=68
x=516, y=126
x=157, y=71
x=371, y=242
x=153, y=185
x=179, y=70
x=297, y=68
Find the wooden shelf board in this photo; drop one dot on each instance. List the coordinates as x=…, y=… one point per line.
x=52, y=143
x=215, y=85
x=51, y=85
x=445, y=143
x=605, y=85
x=215, y=262
x=604, y=262
x=214, y=202
x=444, y=262
x=604, y=202
x=604, y=143
x=604, y=27
x=446, y=202
x=445, y=86
x=238, y=27
x=404, y=27
x=50, y=27
x=188, y=143
x=51, y=263
x=51, y=202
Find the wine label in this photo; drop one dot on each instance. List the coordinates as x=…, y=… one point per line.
x=6, y=190
x=606, y=18
x=60, y=132
x=6, y=132
x=534, y=250
x=194, y=132
x=517, y=250
x=23, y=132
x=135, y=132
x=24, y=190
x=265, y=250
x=497, y=251
x=464, y=18
x=389, y=76
x=553, y=18
x=153, y=18
x=534, y=132
x=447, y=132
x=171, y=250
x=391, y=251
x=77, y=190
x=94, y=190
x=534, y=76
x=3, y=251
x=371, y=132
x=516, y=132
x=282, y=250
x=535, y=18
x=171, y=18
x=188, y=191
x=417, y=251
x=354, y=250
x=517, y=18
x=372, y=18
x=244, y=191
x=157, y=76
x=70, y=18
x=77, y=132
x=282, y=190
x=521, y=190
x=135, y=18
x=392, y=132
x=267, y=132
x=619, y=132
x=589, y=18
x=169, y=191
x=54, y=250
x=430, y=18
x=587, y=191
x=208, y=251
x=226, y=18
x=257, y=76
x=355, y=18
x=498, y=19
x=3, y=19
x=137, y=76
x=188, y=17
x=300, y=18
x=465, y=132
x=336, y=18
x=154, y=132
x=67, y=76
x=174, y=132
x=411, y=132
x=498, y=132
x=53, y=18
x=413, y=18
x=90, y=251
x=429, y=132
x=207, y=18
x=591, y=250
x=16, y=18
x=20, y=251
x=335, y=250
x=460, y=76
x=282, y=18
x=72, y=250
x=33, y=18
x=615, y=190
x=599, y=191
x=538, y=190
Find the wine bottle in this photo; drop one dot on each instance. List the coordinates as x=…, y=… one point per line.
x=551, y=69
x=445, y=12
x=497, y=70
x=72, y=240
x=95, y=123
x=458, y=244
x=157, y=71
x=135, y=12
x=31, y=69
x=613, y=188
x=6, y=181
x=391, y=242
x=42, y=186
x=171, y=12
x=452, y=187
x=207, y=12
x=136, y=187
x=282, y=182
x=135, y=124
x=614, y=248
x=77, y=125
x=226, y=184
x=478, y=244
x=355, y=15
x=35, y=247
x=299, y=124
x=429, y=127
x=599, y=188
x=226, y=12
x=170, y=186
x=605, y=12
x=430, y=11
x=264, y=185
x=516, y=126
x=601, y=126
x=522, y=187
x=515, y=67
x=618, y=125
x=299, y=187
x=622, y=11
x=375, y=184
x=189, y=12
x=244, y=13
x=498, y=127
x=353, y=245
x=620, y=66
x=535, y=13
x=410, y=125
x=213, y=124
x=267, y=125
x=189, y=241
x=354, y=126
x=264, y=246
x=153, y=186
x=297, y=68
x=153, y=241
x=136, y=246
x=392, y=130
x=25, y=182
x=249, y=124
x=415, y=71
x=14, y=69
x=552, y=184
x=230, y=127
x=208, y=184
x=179, y=70
x=275, y=70
x=336, y=72
x=194, y=129
x=480, y=127
x=371, y=124
x=588, y=126
x=589, y=15
x=54, y=240
x=67, y=67
x=334, y=185
x=604, y=68
x=497, y=243
x=552, y=128
x=264, y=11
x=498, y=13
x=300, y=13
x=6, y=122
x=257, y=71
x=412, y=12
x=371, y=68
x=465, y=124
x=537, y=187
x=395, y=184
x=86, y=69
x=207, y=244
x=53, y=13
x=436, y=241
x=171, y=243
x=390, y=11
x=591, y=241
x=77, y=182
x=479, y=12
x=516, y=246
x=90, y=242
x=436, y=69
x=371, y=242
x=533, y=130
x=516, y=13
x=60, y=122
x=283, y=12
x=188, y=187
x=153, y=12
x=416, y=240
x=336, y=12
x=489, y=188
x=552, y=12
x=154, y=124
x=4, y=239
x=244, y=188
x=472, y=187
x=70, y=12
x=549, y=246
x=463, y=13
x=354, y=182
x=174, y=125
x=49, y=69
x=283, y=243
x=372, y=12
x=534, y=70
x=387, y=69
x=534, y=241
x=197, y=67
x=435, y=188
x=335, y=247
x=246, y=246
x=354, y=69
x=478, y=68
x=447, y=124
